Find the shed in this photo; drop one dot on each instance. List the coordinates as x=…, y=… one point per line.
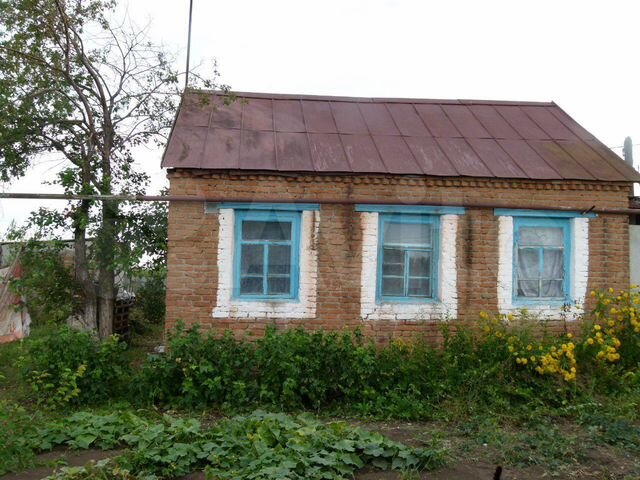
x=391, y=215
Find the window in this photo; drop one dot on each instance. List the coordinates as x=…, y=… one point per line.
x=407, y=257
x=541, y=259
x=266, y=254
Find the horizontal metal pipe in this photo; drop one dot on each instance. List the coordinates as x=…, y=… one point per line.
x=325, y=201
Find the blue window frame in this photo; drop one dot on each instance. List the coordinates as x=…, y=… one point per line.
x=541, y=260
x=408, y=248
x=266, y=254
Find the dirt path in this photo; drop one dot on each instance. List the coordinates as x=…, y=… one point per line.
x=57, y=459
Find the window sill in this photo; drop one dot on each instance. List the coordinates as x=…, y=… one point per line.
x=265, y=299
x=406, y=301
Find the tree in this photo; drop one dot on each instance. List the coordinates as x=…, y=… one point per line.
x=75, y=84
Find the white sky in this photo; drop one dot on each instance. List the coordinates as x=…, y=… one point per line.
x=582, y=54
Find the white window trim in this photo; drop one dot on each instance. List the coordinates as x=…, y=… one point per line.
x=579, y=273
x=447, y=307
x=304, y=307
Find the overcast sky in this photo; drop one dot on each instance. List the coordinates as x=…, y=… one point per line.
x=584, y=55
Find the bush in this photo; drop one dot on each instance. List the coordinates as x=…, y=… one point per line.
x=503, y=363
x=294, y=370
x=500, y=364
x=150, y=305
x=198, y=371
x=68, y=366
x=18, y=430
x=47, y=284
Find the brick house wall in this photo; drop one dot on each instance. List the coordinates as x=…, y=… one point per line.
x=193, y=242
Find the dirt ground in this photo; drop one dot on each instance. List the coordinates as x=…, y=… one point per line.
x=479, y=463
x=59, y=458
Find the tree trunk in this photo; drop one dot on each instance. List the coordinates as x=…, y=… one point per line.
x=106, y=302
x=106, y=275
x=81, y=268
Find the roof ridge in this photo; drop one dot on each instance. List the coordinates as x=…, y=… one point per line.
x=338, y=98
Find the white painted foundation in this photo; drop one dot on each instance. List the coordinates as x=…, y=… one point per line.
x=447, y=307
x=305, y=307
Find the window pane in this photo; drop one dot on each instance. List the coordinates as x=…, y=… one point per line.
x=528, y=288
x=258, y=230
x=407, y=233
x=541, y=236
x=278, y=285
x=251, y=285
x=251, y=259
x=279, y=259
x=419, y=287
x=528, y=264
x=553, y=264
x=393, y=262
x=419, y=264
x=393, y=286
x=551, y=288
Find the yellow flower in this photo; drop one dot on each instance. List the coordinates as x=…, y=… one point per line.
x=569, y=335
x=510, y=349
x=597, y=327
x=510, y=317
x=529, y=348
x=484, y=315
x=524, y=361
x=593, y=293
x=590, y=341
x=611, y=290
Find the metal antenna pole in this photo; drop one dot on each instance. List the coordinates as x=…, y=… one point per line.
x=186, y=79
x=628, y=150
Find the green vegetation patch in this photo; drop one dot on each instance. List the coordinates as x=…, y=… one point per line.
x=258, y=446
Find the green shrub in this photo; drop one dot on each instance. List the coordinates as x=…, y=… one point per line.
x=198, y=371
x=51, y=294
x=150, y=307
x=294, y=370
x=18, y=429
x=67, y=366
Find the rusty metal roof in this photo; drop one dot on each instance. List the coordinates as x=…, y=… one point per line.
x=468, y=138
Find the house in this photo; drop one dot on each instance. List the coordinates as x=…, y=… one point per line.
x=387, y=214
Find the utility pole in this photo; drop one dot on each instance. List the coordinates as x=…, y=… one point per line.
x=186, y=79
